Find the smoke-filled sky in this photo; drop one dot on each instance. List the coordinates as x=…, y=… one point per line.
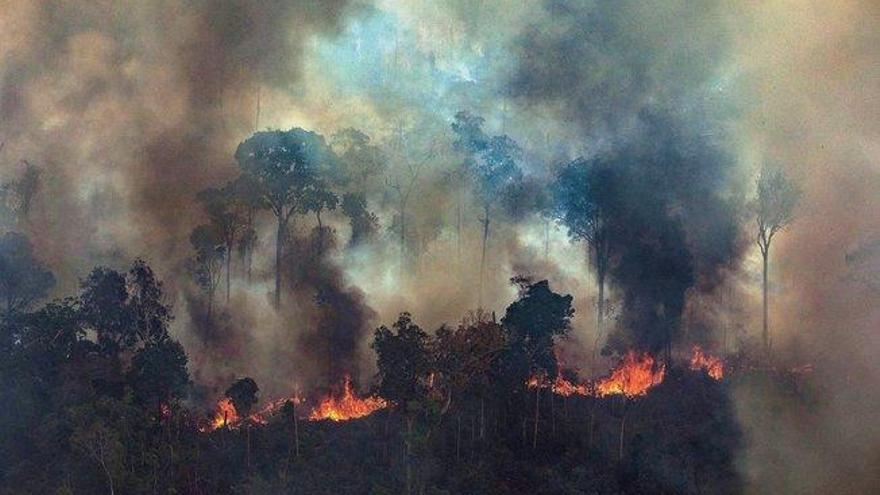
x=130, y=108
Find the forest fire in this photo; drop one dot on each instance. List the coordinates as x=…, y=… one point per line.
x=712, y=365
x=346, y=406
x=565, y=388
x=225, y=415
x=634, y=376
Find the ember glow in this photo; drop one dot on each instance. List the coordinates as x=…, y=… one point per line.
x=711, y=364
x=633, y=377
x=346, y=406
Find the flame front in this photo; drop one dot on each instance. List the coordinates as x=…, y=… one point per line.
x=634, y=376
x=711, y=364
x=225, y=415
x=347, y=406
x=565, y=388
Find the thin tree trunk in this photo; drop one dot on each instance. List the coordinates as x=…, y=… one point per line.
x=279, y=245
x=537, y=416
x=295, y=429
x=109, y=476
x=483, y=255
x=409, y=428
x=248, y=447
x=622, y=433
x=482, y=418
x=402, y=237
x=228, y=268
x=458, y=438
x=766, y=330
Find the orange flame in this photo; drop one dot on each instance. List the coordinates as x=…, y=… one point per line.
x=711, y=364
x=565, y=388
x=560, y=386
x=634, y=376
x=225, y=415
x=347, y=406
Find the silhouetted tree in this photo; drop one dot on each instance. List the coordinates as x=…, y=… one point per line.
x=361, y=161
x=532, y=322
x=491, y=162
x=23, y=280
x=317, y=198
x=284, y=164
x=158, y=373
x=227, y=208
x=364, y=223
x=243, y=394
x=580, y=201
x=776, y=200
x=206, y=266
x=403, y=358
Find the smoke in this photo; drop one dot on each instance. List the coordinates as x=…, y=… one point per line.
x=131, y=108
x=816, y=113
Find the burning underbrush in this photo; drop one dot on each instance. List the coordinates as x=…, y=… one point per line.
x=634, y=375
x=343, y=405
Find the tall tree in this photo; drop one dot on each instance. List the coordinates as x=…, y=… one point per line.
x=579, y=204
x=364, y=223
x=228, y=210
x=284, y=164
x=491, y=162
x=125, y=310
x=23, y=280
x=316, y=199
x=405, y=366
x=776, y=200
x=243, y=394
x=206, y=267
x=531, y=323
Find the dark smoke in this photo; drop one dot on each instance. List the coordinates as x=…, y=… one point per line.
x=339, y=318
x=640, y=99
x=673, y=227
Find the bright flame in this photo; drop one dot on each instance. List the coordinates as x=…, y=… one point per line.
x=634, y=376
x=347, y=406
x=711, y=364
x=224, y=416
x=560, y=386
x=565, y=388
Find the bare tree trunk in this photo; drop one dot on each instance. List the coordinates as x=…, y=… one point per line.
x=295, y=429
x=482, y=418
x=537, y=416
x=107, y=473
x=483, y=255
x=228, y=268
x=766, y=331
x=622, y=433
x=402, y=237
x=409, y=428
x=279, y=245
x=458, y=438
x=248, y=447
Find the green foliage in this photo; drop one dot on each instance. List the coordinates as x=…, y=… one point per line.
x=404, y=362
